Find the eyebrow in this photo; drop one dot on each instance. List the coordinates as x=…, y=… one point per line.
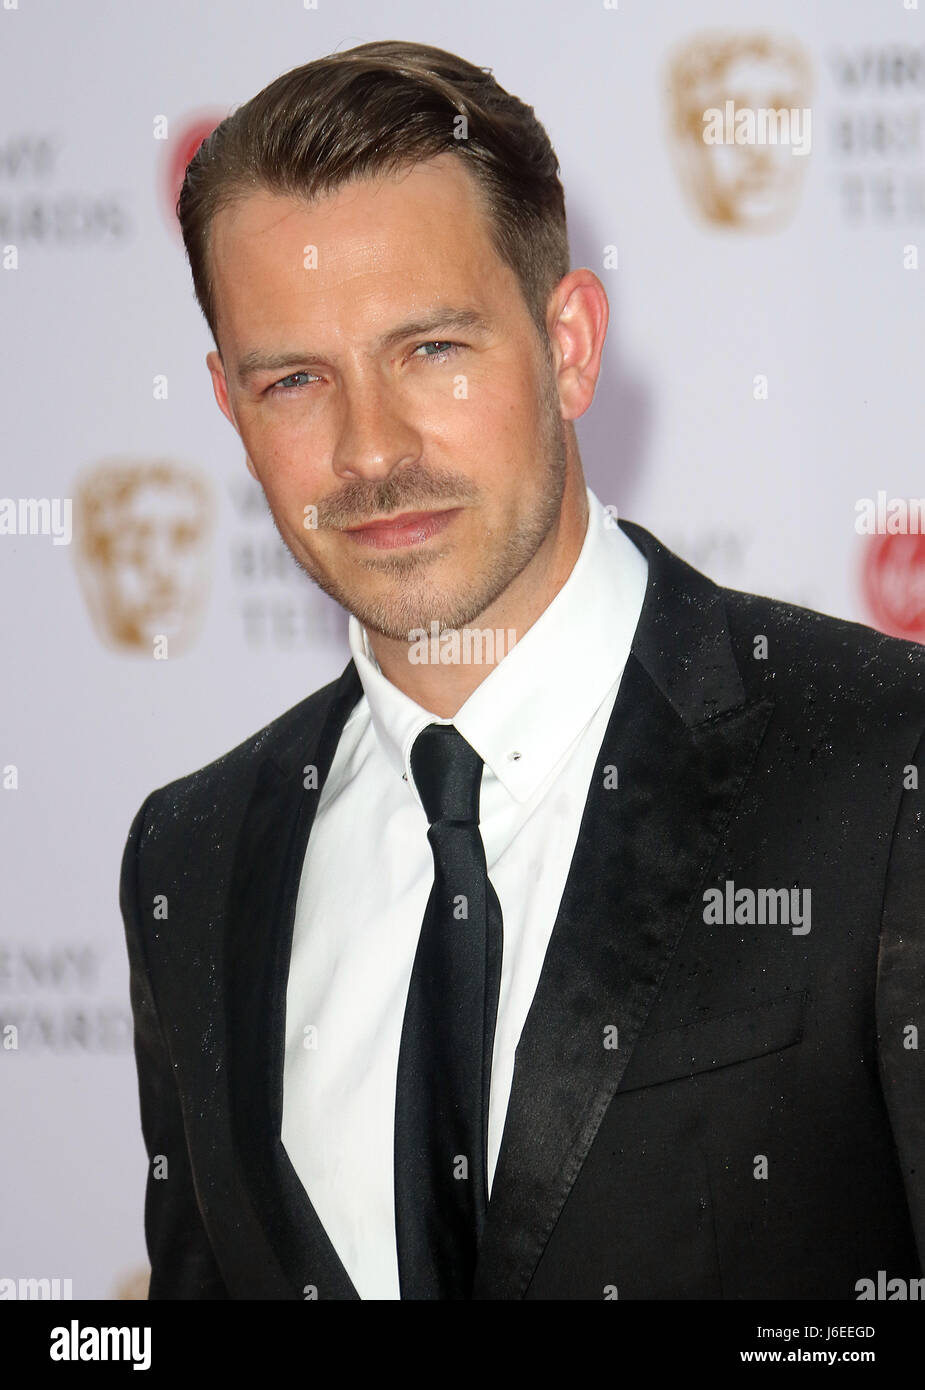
x=443, y=316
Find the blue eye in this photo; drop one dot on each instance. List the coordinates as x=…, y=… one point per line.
x=281, y=385
x=445, y=350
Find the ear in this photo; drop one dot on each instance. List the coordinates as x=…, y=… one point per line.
x=220, y=386
x=578, y=314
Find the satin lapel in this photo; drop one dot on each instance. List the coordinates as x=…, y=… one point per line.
x=680, y=744
x=261, y=910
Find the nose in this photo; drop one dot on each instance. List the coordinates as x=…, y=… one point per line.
x=375, y=437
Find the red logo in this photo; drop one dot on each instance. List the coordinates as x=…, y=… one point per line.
x=180, y=150
x=893, y=581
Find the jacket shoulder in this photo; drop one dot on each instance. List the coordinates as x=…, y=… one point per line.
x=826, y=660
x=214, y=789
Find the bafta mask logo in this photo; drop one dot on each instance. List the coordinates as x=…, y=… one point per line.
x=740, y=127
x=143, y=532
x=893, y=583
x=133, y=1285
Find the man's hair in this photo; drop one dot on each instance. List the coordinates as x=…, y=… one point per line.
x=372, y=111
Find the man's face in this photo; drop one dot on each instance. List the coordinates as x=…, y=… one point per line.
x=335, y=416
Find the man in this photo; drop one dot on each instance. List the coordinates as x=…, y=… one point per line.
x=569, y=944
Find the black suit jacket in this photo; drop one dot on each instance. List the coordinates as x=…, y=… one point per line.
x=759, y=1129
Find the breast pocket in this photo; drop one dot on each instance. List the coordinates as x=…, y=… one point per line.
x=670, y=1054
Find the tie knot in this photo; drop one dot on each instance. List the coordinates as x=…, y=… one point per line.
x=447, y=773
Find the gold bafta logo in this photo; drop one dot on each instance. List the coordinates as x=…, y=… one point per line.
x=739, y=121
x=143, y=529
x=133, y=1285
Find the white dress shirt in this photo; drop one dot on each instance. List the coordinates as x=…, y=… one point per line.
x=537, y=721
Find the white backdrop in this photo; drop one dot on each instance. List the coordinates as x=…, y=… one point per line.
x=102, y=367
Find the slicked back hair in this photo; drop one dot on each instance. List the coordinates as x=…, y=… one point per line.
x=372, y=111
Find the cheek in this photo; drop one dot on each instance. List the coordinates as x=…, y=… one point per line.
x=502, y=416
x=288, y=454
x=277, y=435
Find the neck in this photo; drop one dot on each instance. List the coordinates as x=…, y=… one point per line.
x=444, y=689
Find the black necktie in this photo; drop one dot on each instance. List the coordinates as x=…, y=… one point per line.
x=444, y=1061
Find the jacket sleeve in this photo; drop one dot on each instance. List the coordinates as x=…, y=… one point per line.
x=183, y=1265
x=901, y=991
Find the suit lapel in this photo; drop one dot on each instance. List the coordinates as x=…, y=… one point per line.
x=682, y=740
x=259, y=924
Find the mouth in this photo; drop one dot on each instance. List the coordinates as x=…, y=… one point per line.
x=409, y=528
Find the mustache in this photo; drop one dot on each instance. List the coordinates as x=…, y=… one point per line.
x=414, y=488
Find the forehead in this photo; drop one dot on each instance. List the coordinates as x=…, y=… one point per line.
x=410, y=237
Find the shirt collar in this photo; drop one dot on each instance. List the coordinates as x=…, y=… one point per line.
x=534, y=704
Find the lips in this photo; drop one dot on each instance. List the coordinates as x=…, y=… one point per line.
x=409, y=528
